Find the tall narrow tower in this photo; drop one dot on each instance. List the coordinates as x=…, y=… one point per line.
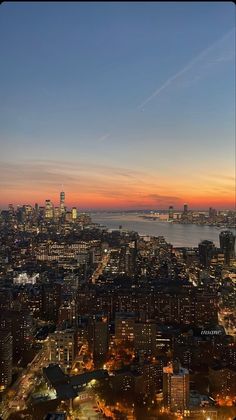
x=62, y=202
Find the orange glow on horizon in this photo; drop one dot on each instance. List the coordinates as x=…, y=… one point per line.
x=93, y=201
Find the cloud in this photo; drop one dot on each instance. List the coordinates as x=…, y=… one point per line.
x=164, y=198
x=223, y=50
x=86, y=177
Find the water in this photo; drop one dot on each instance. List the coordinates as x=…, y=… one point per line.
x=176, y=234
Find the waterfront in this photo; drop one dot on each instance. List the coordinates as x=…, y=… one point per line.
x=187, y=235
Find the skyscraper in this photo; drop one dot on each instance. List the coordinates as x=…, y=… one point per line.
x=74, y=213
x=62, y=202
x=48, y=209
x=175, y=387
x=206, y=250
x=227, y=244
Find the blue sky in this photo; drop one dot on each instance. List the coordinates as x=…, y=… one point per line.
x=79, y=84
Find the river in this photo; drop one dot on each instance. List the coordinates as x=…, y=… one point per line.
x=177, y=234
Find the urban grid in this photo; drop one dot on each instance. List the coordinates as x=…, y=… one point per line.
x=117, y=210
x=126, y=324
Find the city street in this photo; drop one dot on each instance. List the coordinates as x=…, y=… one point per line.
x=24, y=385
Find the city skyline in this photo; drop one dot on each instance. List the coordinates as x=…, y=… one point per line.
x=56, y=203
x=129, y=106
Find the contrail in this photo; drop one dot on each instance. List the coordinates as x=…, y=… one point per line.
x=186, y=68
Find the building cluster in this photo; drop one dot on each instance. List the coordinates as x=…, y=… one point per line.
x=212, y=217
x=142, y=318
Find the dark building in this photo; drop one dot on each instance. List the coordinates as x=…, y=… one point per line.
x=206, y=252
x=5, y=299
x=98, y=337
x=227, y=244
x=185, y=209
x=19, y=324
x=51, y=301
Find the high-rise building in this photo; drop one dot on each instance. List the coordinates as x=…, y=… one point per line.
x=19, y=323
x=227, y=245
x=128, y=256
x=206, y=252
x=62, y=348
x=48, y=209
x=185, y=208
x=124, y=326
x=57, y=213
x=67, y=314
x=5, y=359
x=98, y=337
x=222, y=380
x=62, y=202
x=175, y=387
x=51, y=301
x=145, y=335
x=74, y=213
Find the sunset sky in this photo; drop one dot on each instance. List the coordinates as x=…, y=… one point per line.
x=127, y=105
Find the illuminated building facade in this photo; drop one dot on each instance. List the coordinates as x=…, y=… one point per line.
x=62, y=348
x=175, y=387
x=206, y=252
x=48, y=209
x=62, y=202
x=124, y=327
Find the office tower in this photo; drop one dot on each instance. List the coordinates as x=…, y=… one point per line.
x=206, y=252
x=62, y=348
x=171, y=213
x=51, y=301
x=74, y=213
x=175, y=387
x=5, y=359
x=48, y=209
x=36, y=208
x=98, y=337
x=227, y=244
x=62, y=202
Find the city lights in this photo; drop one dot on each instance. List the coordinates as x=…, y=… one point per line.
x=117, y=211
